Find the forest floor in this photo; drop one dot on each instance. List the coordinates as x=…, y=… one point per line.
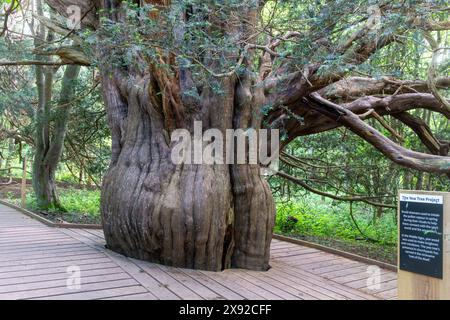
x=13, y=189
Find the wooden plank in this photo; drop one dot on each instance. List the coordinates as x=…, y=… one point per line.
x=225, y=280
x=322, y=268
x=100, y=294
x=42, y=248
x=301, y=257
x=64, y=290
x=46, y=254
x=299, y=261
x=89, y=240
x=293, y=253
x=232, y=277
x=302, y=285
x=20, y=237
x=344, y=272
x=38, y=243
x=136, y=272
x=386, y=286
x=167, y=281
x=55, y=275
x=298, y=290
x=327, y=284
x=390, y=294
x=144, y=278
x=139, y=296
x=356, y=276
x=291, y=248
x=265, y=286
x=16, y=243
x=95, y=233
x=39, y=262
x=52, y=265
x=221, y=290
x=26, y=229
x=55, y=270
x=337, y=252
x=384, y=278
x=201, y=290
x=62, y=283
x=283, y=245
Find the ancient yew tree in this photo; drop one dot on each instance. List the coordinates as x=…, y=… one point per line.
x=293, y=65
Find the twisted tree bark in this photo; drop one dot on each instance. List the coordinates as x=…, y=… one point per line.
x=196, y=216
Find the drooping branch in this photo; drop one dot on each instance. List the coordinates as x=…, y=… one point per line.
x=316, y=122
x=395, y=152
x=423, y=131
x=306, y=186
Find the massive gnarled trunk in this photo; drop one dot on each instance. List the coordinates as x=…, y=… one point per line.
x=202, y=216
x=196, y=216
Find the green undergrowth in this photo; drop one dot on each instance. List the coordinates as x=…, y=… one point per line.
x=80, y=206
x=329, y=223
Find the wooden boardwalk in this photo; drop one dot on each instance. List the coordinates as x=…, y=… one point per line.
x=34, y=262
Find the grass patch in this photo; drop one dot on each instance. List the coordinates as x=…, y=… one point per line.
x=82, y=206
x=329, y=223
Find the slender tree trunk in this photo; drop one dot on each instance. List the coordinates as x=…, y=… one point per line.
x=10, y=155
x=49, y=146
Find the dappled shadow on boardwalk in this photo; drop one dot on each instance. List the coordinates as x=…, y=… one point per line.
x=34, y=259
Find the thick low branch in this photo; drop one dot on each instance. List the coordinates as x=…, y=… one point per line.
x=32, y=63
x=356, y=87
x=423, y=131
x=68, y=55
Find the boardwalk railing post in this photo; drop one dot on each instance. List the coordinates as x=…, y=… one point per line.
x=24, y=183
